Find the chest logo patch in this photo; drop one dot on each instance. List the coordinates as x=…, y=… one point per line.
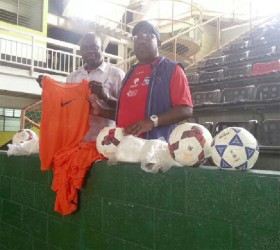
x=146, y=81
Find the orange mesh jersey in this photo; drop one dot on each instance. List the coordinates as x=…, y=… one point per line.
x=65, y=120
x=65, y=117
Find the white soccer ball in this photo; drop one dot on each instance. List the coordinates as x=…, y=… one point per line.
x=23, y=135
x=107, y=141
x=234, y=148
x=189, y=144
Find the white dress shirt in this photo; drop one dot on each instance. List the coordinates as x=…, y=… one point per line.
x=111, y=78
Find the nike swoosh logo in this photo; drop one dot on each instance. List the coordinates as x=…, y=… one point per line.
x=67, y=102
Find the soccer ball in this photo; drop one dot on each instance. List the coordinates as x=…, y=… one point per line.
x=23, y=135
x=107, y=141
x=234, y=148
x=189, y=144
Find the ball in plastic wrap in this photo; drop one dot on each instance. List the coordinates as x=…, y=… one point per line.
x=234, y=148
x=129, y=149
x=24, y=135
x=107, y=141
x=189, y=144
x=155, y=156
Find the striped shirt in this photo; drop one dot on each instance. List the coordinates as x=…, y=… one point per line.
x=111, y=79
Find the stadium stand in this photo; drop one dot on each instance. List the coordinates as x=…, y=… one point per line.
x=239, y=85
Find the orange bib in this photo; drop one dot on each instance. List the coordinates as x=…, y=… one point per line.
x=65, y=117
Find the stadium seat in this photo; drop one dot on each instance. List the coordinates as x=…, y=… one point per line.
x=238, y=46
x=192, y=78
x=208, y=125
x=277, y=49
x=214, y=61
x=268, y=91
x=251, y=126
x=236, y=57
x=271, y=32
x=258, y=42
x=210, y=76
x=253, y=34
x=200, y=98
x=261, y=53
x=270, y=135
x=238, y=94
x=201, y=64
x=265, y=68
x=238, y=72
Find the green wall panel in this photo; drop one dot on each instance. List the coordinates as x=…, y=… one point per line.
x=123, y=208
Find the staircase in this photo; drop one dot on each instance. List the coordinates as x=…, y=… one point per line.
x=180, y=37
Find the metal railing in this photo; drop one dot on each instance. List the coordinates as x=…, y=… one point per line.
x=36, y=53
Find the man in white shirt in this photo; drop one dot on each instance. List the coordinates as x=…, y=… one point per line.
x=95, y=69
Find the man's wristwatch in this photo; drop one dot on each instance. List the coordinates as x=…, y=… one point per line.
x=154, y=119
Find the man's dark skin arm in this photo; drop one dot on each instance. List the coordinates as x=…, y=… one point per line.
x=172, y=116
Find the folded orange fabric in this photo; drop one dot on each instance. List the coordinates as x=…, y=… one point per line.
x=70, y=167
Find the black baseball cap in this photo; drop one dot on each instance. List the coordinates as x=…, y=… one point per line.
x=147, y=26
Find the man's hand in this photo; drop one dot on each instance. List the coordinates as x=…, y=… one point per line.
x=95, y=104
x=97, y=89
x=100, y=108
x=139, y=127
x=39, y=80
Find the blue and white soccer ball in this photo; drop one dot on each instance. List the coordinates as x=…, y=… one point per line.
x=234, y=148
